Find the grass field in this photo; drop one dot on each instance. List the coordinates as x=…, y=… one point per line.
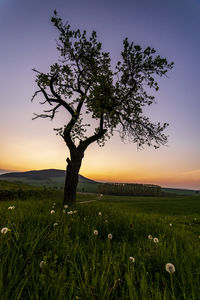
x=59, y=255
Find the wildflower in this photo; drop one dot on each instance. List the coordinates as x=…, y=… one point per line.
x=52, y=211
x=150, y=237
x=170, y=268
x=42, y=263
x=11, y=207
x=170, y=224
x=65, y=206
x=100, y=213
x=132, y=259
x=110, y=236
x=4, y=230
x=70, y=212
x=95, y=232
x=55, y=224
x=156, y=240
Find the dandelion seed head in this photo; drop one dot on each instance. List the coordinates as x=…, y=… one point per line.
x=156, y=240
x=100, y=213
x=95, y=232
x=70, y=212
x=4, y=230
x=65, y=206
x=170, y=268
x=150, y=237
x=170, y=224
x=11, y=207
x=110, y=236
x=52, y=211
x=132, y=259
x=55, y=224
x=42, y=263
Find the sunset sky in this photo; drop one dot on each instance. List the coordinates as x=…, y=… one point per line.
x=28, y=40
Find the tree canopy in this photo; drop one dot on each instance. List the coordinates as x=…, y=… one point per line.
x=83, y=77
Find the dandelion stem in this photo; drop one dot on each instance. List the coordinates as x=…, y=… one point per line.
x=172, y=285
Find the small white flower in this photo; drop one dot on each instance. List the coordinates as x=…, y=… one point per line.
x=150, y=237
x=100, y=213
x=4, y=230
x=11, y=207
x=156, y=240
x=101, y=195
x=65, y=206
x=70, y=212
x=42, y=263
x=95, y=232
x=55, y=224
x=170, y=268
x=110, y=236
x=52, y=211
x=132, y=259
x=170, y=224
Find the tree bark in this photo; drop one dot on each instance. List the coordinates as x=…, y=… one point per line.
x=71, y=180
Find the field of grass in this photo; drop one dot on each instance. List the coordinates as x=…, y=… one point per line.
x=59, y=255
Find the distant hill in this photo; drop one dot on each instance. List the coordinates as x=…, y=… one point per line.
x=42, y=176
x=3, y=171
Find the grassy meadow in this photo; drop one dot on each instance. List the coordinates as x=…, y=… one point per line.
x=112, y=248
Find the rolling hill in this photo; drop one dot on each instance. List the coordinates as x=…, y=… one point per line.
x=42, y=177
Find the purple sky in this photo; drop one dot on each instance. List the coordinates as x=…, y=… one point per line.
x=28, y=41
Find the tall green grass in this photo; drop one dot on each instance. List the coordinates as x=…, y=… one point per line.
x=77, y=264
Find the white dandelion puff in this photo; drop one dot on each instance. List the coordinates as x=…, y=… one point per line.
x=170, y=224
x=55, y=224
x=132, y=259
x=42, y=263
x=100, y=213
x=110, y=236
x=95, y=232
x=52, y=211
x=70, y=212
x=156, y=240
x=65, y=206
x=4, y=230
x=170, y=268
x=150, y=237
x=11, y=207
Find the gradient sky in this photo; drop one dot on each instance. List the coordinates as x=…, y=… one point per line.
x=27, y=40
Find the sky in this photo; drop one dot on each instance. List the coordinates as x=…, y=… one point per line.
x=28, y=40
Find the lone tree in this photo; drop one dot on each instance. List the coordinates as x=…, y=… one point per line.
x=82, y=82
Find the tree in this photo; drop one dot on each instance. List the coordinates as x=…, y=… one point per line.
x=83, y=82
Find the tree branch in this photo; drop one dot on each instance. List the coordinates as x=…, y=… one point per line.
x=84, y=144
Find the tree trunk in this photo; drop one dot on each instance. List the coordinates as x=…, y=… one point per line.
x=71, y=180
